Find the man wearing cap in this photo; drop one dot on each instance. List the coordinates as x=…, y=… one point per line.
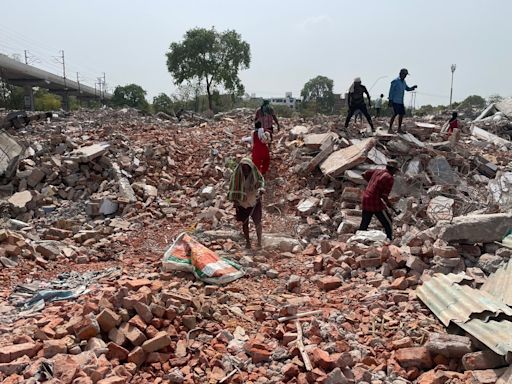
x=396, y=98
x=375, y=197
x=356, y=94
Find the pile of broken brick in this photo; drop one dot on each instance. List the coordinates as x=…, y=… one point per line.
x=319, y=304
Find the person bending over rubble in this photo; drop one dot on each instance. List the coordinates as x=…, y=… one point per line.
x=266, y=116
x=246, y=187
x=380, y=183
x=260, y=150
x=356, y=94
x=396, y=98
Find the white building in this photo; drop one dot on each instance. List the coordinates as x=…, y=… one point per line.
x=287, y=101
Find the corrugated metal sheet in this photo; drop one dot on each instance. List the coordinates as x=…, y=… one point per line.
x=453, y=302
x=499, y=284
x=497, y=335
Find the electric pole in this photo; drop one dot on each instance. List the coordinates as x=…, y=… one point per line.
x=26, y=57
x=78, y=81
x=104, y=84
x=453, y=67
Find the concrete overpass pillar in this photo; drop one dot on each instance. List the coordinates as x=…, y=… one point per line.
x=65, y=101
x=28, y=98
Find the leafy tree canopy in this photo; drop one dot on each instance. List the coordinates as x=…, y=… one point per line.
x=474, y=101
x=209, y=57
x=162, y=103
x=131, y=95
x=319, y=91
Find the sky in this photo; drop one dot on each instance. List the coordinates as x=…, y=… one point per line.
x=291, y=42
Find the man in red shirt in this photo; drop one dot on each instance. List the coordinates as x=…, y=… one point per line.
x=380, y=183
x=266, y=116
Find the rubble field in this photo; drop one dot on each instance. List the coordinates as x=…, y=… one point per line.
x=91, y=201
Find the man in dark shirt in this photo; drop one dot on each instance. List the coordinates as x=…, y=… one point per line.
x=380, y=183
x=356, y=102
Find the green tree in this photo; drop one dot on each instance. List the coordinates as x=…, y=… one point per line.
x=45, y=101
x=319, y=92
x=495, y=98
x=474, y=101
x=211, y=57
x=162, y=103
x=131, y=95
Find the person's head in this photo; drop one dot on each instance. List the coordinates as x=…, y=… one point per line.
x=381, y=95
x=357, y=80
x=454, y=115
x=403, y=73
x=246, y=169
x=392, y=166
x=265, y=102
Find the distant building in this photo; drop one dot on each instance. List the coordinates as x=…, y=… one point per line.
x=287, y=101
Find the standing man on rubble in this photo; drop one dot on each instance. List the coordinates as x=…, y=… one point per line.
x=378, y=105
x=396, y=98
x=245, y=190
x=356, y=94
x=266, y=116
x=376, y=197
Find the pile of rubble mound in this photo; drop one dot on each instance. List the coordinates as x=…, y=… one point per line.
x=92, y=200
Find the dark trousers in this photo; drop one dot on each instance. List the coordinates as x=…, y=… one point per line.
x=383, y=218
x=377, y=112
x=353, y=108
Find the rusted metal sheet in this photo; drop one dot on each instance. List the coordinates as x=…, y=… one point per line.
x=497, y=335
x=458, y=303
x=475, y=311
x=499, y=284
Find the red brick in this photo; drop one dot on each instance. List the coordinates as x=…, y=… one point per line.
x=414, y=357
x=133, y=334
x=404, y=342
x=137, y=283
x=259, y=355
x=113, y=380
x=16, y=366
x=54, y=347
x=137, y=356
x=144, y=312
x=321, y=359
x=117, y=336
x=290, y=370
x=318, y=263
x=369, y=262
x=328, y=283
x=116, y=352
x=87, y=328
x=161, y=340
x=400, y=283
x=108, y=319
x=12, y=352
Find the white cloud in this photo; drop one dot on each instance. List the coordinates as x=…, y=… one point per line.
x=315, y=22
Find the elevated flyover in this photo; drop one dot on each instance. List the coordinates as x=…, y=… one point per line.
x=28, y=76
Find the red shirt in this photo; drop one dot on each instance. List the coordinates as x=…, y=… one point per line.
x=380, y=183
x=453, y=124
x=266, y=120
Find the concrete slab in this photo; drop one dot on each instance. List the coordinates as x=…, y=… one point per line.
x=315, y=140
x=347, y=158
x=476, y=228
x=90, y=152
x=10, y=154
x=441, y=171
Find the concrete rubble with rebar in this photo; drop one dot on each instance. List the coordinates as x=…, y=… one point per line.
x=109, y=190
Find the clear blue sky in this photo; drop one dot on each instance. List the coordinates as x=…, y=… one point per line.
x=291, y=41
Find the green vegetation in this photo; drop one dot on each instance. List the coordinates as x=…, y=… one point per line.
x=208, y=57
x=131, y=95
x=317, y=95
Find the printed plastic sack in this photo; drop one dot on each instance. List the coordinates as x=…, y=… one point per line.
x=187, y=254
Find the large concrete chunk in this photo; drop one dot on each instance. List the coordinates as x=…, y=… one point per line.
x=10, y=153
x=347, y=158
x=441, y=171
x=315, y=140
x=476, y=228
x=22, y=201
x=90, y=152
